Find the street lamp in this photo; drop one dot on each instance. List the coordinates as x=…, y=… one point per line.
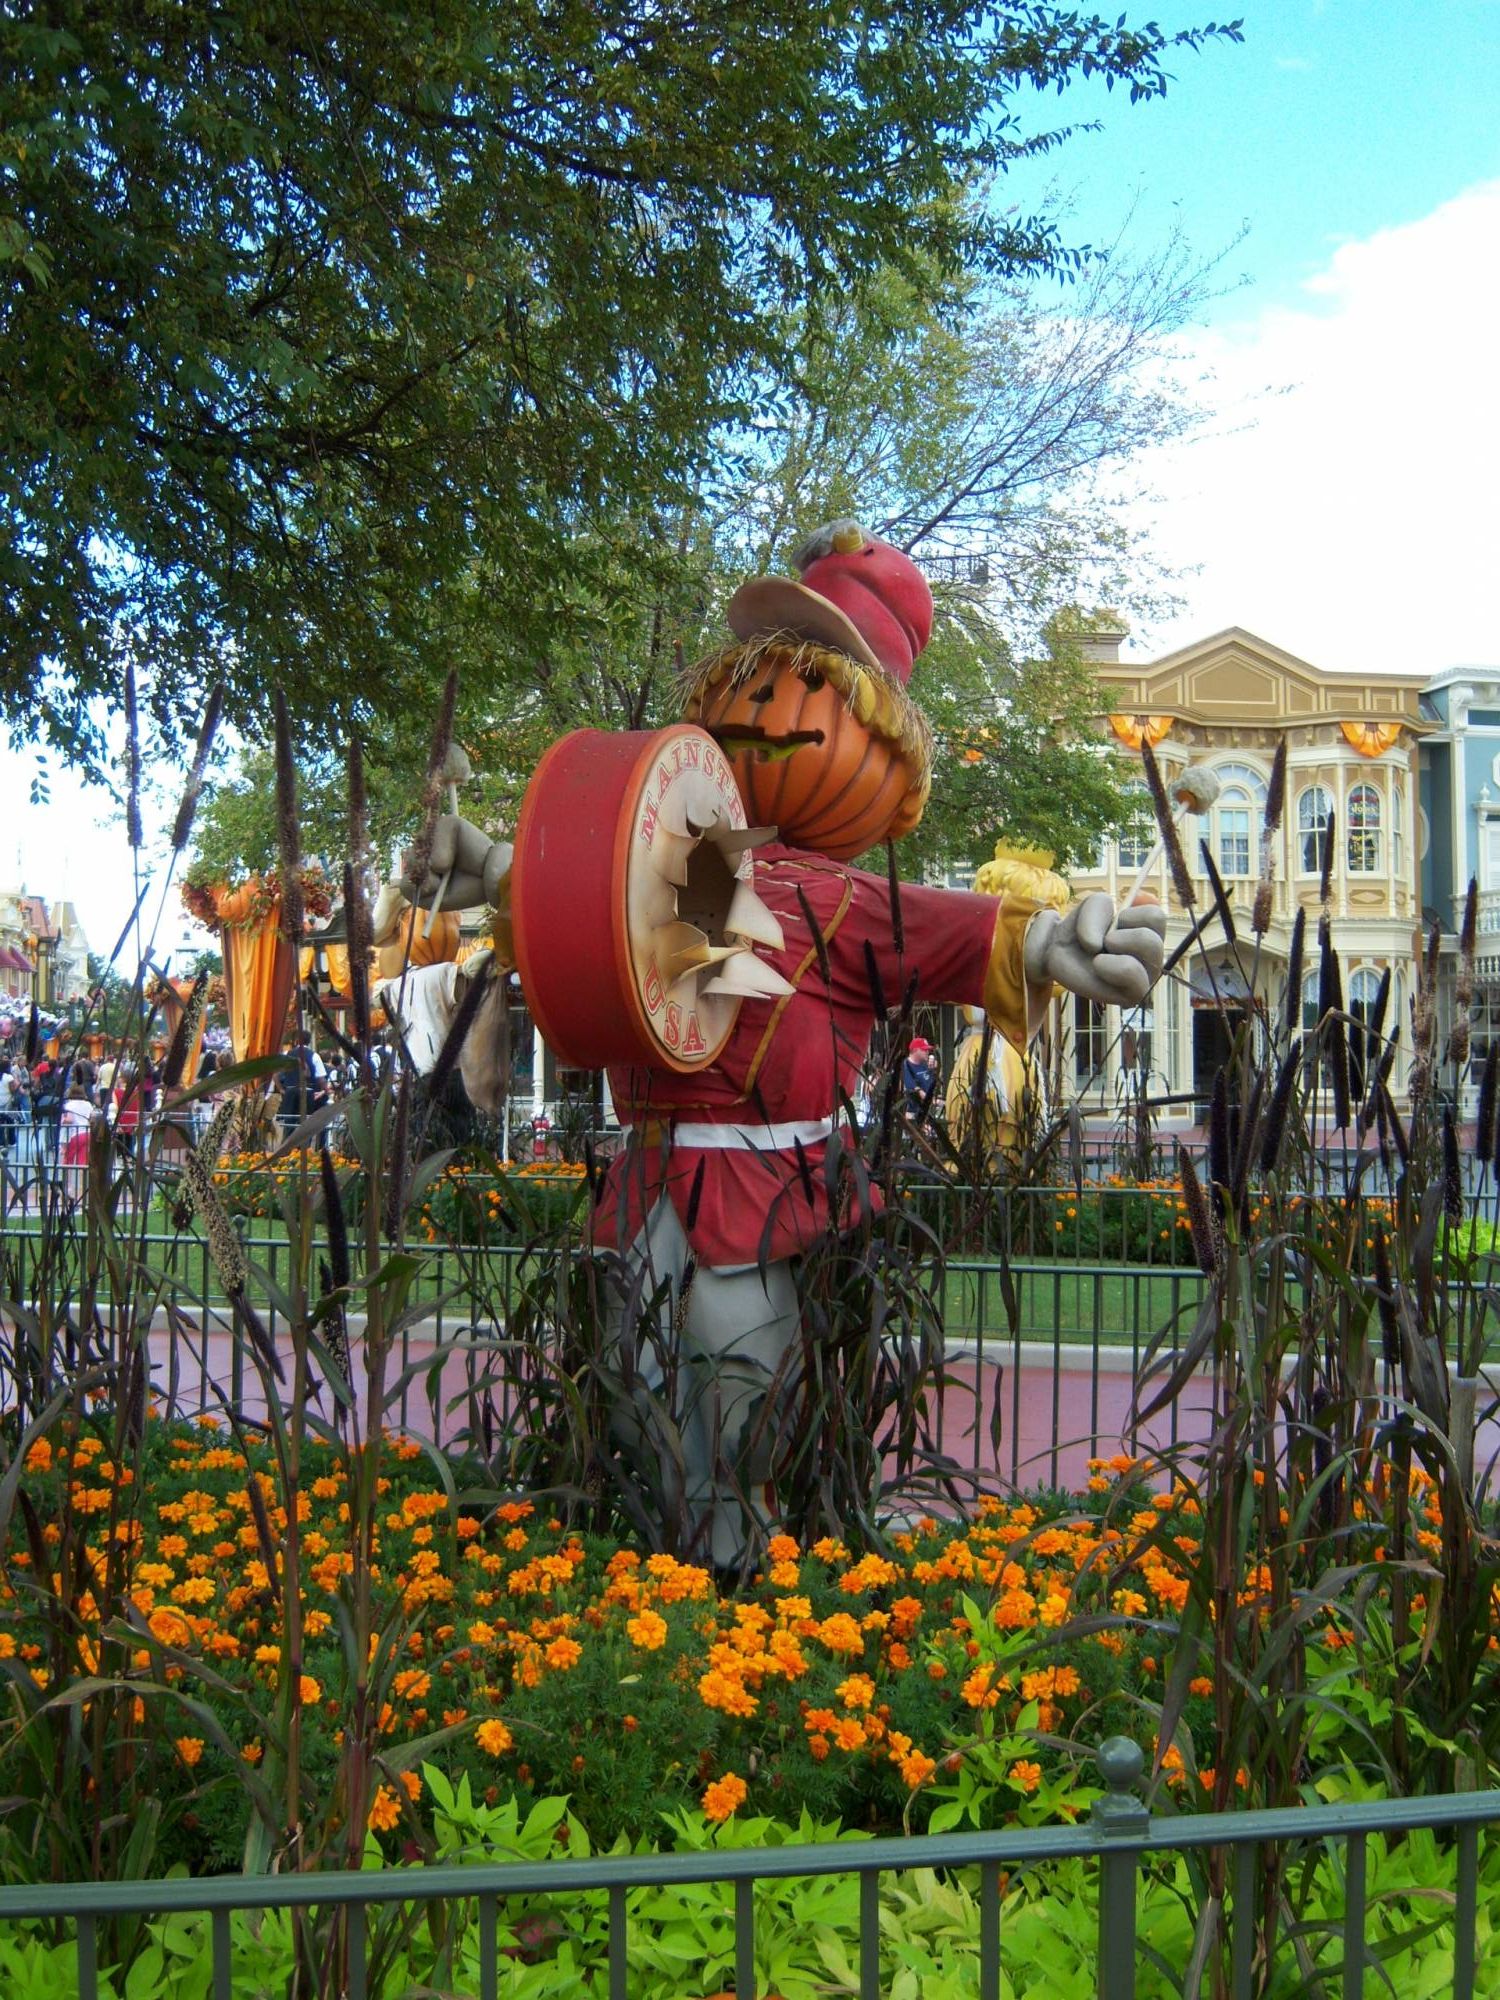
x=42, y=947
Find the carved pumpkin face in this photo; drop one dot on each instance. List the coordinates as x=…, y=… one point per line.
x=814, y=748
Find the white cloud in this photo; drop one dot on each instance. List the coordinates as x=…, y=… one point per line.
x=1352, y=518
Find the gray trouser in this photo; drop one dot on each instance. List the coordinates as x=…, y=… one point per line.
x=731, y=1334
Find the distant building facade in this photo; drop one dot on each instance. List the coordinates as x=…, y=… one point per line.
x=1355, y=774
x=44, y=952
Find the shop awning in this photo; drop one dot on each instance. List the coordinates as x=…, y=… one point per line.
x=14, y=961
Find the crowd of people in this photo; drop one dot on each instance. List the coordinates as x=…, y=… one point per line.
x=46, y=1107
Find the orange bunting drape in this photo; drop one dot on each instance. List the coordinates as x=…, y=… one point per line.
x=1370, y=739
x=1134, y=730
x=259, y=972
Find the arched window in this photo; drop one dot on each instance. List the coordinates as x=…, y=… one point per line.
x=1314, y=813
x=1364, y=830
x=1242, y=798
x=1139, y=837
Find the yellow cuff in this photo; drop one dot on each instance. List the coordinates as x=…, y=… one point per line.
x=1016, y=1010
x=500, y=927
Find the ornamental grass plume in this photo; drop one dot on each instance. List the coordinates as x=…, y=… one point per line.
x=1260, y=916
x=1291, y=1007
x=1200, y=1222
x=288, y=828
x=1484, y=1118
x=184, y=1034
x=1453, y=1178
x=132, y=760
x=1463, y=992
x=1220, y=899
x=1281, y=1099
x=1325, y=873
x=898, y=924
x=1332, y=1028
x=419, y=856
x=187, y=806
x=1166, y=826
x=1275, y=791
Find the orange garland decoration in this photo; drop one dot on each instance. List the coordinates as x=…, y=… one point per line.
x=1134, y=730
x=1370, y=739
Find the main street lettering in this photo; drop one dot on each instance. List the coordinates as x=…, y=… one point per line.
x=688, y=753
x=682, y=1036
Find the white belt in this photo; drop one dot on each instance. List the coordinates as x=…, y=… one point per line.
x=755, y=1138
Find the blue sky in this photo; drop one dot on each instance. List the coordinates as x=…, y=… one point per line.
x=1343, y=505
x=1331, y=120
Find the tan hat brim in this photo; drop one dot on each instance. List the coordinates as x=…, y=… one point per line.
x=767, y=605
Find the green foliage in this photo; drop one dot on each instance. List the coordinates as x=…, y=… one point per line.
x=317, y=353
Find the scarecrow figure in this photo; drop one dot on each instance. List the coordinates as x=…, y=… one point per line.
x=710, y=1201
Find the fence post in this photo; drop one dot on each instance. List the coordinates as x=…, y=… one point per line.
x=1116, y=1816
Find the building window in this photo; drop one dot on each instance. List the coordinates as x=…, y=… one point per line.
x=1167, y=1006
x=1314, y=822
x=1090, y=1042
x=1364, y=830
x=1398, y=833
x=1242, y=798
x=1136, y=842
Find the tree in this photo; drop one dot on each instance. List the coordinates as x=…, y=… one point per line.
x=324, y=333
x=946, y=418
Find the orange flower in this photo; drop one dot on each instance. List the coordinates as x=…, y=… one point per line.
x=385, y=1810
x=724, y=1797
x=1025, y=1775
x=190, y=1749
x=648, y=1630
x=563, y=1654
x=493, y=1738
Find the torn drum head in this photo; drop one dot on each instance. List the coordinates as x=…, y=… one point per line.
x=633, y=899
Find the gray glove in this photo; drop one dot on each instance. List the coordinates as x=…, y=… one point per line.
x=478, y=865
x=1114, y=959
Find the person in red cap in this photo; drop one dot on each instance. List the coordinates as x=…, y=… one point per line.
x=722, y=1184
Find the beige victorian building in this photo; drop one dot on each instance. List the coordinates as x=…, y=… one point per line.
x=1228, y=701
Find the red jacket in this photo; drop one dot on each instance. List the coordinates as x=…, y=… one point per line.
x=786, y=1058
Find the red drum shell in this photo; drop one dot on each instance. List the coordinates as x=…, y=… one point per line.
x=569, y=896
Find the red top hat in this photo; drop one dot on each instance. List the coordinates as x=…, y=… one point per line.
x=856, y=594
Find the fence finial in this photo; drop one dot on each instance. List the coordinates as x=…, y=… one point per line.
x=1121, y=1763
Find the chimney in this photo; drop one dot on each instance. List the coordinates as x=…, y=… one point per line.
x=1100, y=645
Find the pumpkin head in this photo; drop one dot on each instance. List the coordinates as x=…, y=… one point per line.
x=833, y=754
x=405, y=945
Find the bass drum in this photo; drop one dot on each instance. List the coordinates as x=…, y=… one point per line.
x=633, y=899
